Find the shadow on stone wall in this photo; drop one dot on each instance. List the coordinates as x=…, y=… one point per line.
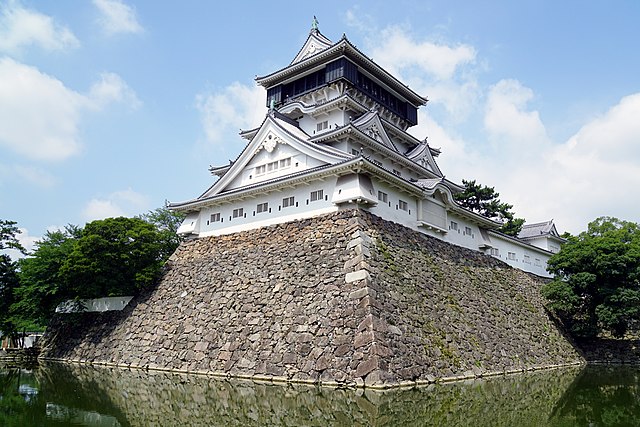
x=614, y=351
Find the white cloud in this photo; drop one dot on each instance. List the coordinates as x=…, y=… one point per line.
x=22, y=173
x=119, y=203
x=40, y=117
x=20, y=27
x=38, y=114
x=111, y=88
x=506, y=115
x=445, y=73
x=117, y=17
x=225, y=112
x=597, y=171
x=398, y=52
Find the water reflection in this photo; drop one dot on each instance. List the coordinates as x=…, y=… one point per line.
x=60, y=394
x=601, y=396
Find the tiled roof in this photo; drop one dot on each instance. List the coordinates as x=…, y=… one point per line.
x=538, y=229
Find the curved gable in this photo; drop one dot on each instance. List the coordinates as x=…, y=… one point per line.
x=316, y=42
x=371, y=125
x=277, y=149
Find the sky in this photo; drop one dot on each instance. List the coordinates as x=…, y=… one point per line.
x=113, y=107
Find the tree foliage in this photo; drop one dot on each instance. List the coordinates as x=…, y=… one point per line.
x=597, y=279
x=9, y=235
x=167, y=223
x=110, y=257
x=484, y=201
x=42, y=286
x=8, y=274
x=114, y=256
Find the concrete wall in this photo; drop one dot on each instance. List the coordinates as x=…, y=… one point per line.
x=345, y=298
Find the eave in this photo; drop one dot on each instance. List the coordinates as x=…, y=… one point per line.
x=353, y=131
x=255, y=190
x=520, y=242
x=346, y=49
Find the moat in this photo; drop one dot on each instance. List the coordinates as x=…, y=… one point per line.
x=56, y=394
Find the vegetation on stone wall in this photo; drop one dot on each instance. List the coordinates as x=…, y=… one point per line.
x=597, y=280
x=109, y=257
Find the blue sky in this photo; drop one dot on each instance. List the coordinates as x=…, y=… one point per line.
x=111, y=107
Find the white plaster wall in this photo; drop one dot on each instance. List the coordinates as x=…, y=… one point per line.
x=309, y=124
x=545, y=243
x=391, y=210
x=466, y=235
x=96, y=304
x=252, y=219
x=537, y=262
x=248, y=176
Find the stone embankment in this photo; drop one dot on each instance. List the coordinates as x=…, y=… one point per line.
x=611, y=351
x=341, y=299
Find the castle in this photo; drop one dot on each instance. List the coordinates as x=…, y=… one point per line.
x=332, y=252
x=335, y=138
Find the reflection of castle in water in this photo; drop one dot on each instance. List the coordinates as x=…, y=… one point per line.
x=139, y=398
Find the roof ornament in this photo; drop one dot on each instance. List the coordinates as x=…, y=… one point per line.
x=314, y=24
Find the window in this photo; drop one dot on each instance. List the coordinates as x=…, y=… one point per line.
x=317, y=195
x=453, y=226
x=511, y=256
x=538, y=263
x=215, y=217
x=403, y=205
x=273, y=166
x=382, y=196
x=288, y=201
x=238, y=213
x=527, y=259
x=262, y=207
x=285, y=163
x=397, y=172
x=467, y=231
x=495, y=251
x=322, y=126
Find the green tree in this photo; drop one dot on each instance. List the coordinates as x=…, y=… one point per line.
x=9, y=235
x=110, y=257
x=484, y=201
x=8, y=275
x=114, y=256
x=167, y=223
x=597, y=279
x=42, y=286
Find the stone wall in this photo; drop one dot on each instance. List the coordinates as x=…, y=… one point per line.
x=609, y=351
x=346, y=298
